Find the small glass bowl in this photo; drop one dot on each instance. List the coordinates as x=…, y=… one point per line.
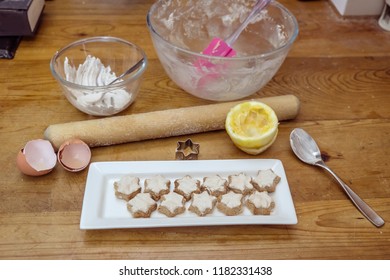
x=85, y=81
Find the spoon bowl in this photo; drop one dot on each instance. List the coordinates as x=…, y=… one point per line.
x=306, y=149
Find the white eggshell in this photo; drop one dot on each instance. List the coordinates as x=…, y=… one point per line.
x=36, y=158
x=74, y=155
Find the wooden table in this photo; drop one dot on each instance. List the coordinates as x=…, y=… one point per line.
x=340, y=70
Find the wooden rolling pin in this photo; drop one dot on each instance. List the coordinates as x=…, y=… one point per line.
x=160, y=124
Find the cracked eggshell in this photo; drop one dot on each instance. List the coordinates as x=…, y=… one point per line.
x=37, y=158
x=74, y=155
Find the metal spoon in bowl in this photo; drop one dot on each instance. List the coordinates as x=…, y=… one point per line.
x=128, y=71
x=306, y=149
x=98, y=96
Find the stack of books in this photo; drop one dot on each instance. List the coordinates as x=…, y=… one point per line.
x=18, y=18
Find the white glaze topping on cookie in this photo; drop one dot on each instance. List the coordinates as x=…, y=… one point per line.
x=260, y=199
x=141, y=202
x=241, y=183
x=203, y=201
x=172, y=201
x=187, y=184
x=231, y=199
x=127, y=184
x=266, y=178
x=215, y=183
x=157, y=183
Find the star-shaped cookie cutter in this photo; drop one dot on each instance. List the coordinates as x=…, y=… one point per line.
x=187, y=150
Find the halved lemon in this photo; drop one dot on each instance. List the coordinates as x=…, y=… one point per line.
x=252, y=126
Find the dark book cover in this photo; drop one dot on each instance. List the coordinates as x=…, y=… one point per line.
x=8, y=46
x=20, y=17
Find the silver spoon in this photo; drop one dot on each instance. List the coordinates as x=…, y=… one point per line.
x=97, y=98
x=128, y=71
x=306, y=149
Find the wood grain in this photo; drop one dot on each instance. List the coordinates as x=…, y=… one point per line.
x=338, y=68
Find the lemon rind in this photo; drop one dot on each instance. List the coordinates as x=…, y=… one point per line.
x=259, y=150
x=254, y=143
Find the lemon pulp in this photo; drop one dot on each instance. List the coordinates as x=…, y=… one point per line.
x=252, y=126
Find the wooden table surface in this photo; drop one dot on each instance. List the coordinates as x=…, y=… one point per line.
x=339, y=68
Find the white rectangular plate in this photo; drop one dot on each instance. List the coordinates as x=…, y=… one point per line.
x=102, y=210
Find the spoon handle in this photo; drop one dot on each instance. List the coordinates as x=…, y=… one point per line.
x=363, y=207
x=128, y=71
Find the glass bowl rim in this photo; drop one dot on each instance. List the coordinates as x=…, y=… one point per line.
x=200, y=55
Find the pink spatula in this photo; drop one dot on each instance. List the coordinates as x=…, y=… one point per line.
x=220, y=47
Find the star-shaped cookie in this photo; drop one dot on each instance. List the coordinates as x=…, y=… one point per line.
x=202, y=203
x=172, y=204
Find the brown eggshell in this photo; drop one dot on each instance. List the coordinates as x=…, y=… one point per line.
x=37, y=158
x=74, y=155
